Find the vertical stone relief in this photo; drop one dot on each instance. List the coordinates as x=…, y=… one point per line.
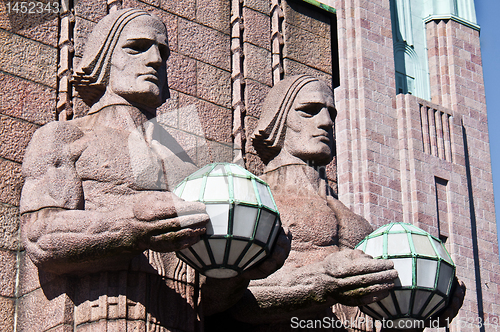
x=238, y=82
x=277, y=41
x=66, y=50
x=436, y=135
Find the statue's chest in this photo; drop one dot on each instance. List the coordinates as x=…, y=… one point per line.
x=309, y=219
x=121, y=159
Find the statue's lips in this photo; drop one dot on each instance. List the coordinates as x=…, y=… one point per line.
x=152, y=76
x=323, y=137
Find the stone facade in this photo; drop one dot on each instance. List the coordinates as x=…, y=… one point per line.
x=399, y=158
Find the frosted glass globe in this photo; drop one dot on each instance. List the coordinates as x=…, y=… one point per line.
x=426, y=272
x=244, y=219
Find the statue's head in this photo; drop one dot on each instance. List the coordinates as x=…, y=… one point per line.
x=125, y=55
x=297, y=120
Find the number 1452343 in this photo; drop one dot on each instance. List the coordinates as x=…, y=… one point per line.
x=32, y=7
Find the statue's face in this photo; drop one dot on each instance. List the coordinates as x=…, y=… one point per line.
x=309, y=133
x=138, y=65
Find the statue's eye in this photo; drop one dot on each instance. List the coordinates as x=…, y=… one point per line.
x=137, y=46
x=309, y=110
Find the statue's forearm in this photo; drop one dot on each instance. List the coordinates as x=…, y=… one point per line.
x=61, y=240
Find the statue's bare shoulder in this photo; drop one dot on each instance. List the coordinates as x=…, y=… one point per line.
x=49, y=159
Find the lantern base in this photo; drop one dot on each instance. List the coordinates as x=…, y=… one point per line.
x=221, y=273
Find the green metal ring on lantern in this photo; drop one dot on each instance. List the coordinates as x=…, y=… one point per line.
x=244, y=219
x=426, y=272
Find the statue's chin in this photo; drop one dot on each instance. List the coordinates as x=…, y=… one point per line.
x=147, y=100
x=317, y=159
x=321, y=157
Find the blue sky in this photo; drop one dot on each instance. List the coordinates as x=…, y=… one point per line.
x=487, y=17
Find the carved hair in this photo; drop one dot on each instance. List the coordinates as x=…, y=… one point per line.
x=92, y=75
x=269, y=134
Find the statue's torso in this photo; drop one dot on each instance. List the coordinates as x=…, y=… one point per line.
x=114, y=165
x=304, y=213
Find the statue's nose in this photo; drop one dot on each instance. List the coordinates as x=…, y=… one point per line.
x=323, y=119
x=154, y=56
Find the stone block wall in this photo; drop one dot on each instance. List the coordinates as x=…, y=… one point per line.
x=367, y=141
x=28, y=81
x=435, y=189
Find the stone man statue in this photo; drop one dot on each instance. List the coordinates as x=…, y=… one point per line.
x=97, y=204
x=294, y=138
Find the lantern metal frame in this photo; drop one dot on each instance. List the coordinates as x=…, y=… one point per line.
x=255, y=250
x=384, y=309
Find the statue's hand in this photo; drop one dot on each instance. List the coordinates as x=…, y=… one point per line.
x=164, y=222
x=354, y=278
x=272, y=263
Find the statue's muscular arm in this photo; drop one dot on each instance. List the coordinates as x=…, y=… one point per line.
x=62, y=237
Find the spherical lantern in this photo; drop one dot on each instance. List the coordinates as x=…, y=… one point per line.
x=244, y=219
x=426, y=272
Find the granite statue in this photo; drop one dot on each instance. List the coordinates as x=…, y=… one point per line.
x=97, y=201
x=324, y=276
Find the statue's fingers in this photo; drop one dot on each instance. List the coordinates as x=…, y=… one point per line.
x=174, y=241
x=359, y=267
x=359, y=254
x=366, y=295
x=193, y=220
x=385, y=278
x=163, y=226
x=153, y=205
x=154, y=209
x=185, y=207
x=167, y=208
